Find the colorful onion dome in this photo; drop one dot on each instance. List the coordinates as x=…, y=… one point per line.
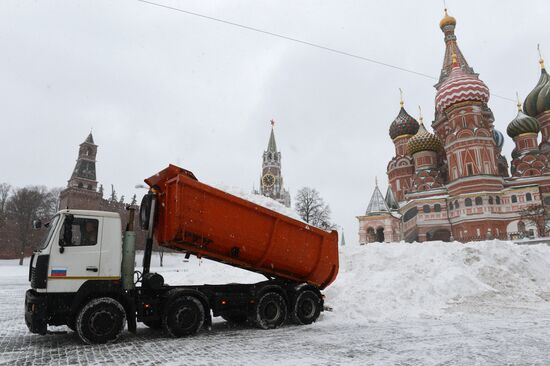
x=424, y=141
x=447, y=20
x=460, y=87
x=403, y=124
x=522, y=124
x=498, y=137
x=538, y=100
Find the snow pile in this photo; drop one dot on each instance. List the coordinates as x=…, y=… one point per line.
x=261, y=200
x=400, y=280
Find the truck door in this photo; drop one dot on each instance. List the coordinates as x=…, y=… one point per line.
x=75, y=262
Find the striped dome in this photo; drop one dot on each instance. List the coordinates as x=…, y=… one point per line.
x=498, y=137
x=460, y=87
x=424, y=141
x=538, y=101
x=403, y=124
x=522, y=124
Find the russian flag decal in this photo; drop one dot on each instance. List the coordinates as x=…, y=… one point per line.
x=58, y=272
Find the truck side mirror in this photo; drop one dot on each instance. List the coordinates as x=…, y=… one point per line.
x=36, y=224
x=67, y=238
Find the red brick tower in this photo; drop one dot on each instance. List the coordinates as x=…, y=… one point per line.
x=527, y=160
x=464, y=122
x=425, y=147
x=401, y=167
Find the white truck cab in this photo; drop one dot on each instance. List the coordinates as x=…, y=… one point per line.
x=80, y=246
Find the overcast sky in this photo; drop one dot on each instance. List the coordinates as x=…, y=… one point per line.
x=159, y=87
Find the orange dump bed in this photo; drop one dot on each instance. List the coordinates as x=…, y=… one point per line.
x=202, y=220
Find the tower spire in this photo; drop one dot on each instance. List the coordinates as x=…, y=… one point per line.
x=447, y=25
x=271, y=145
x=519, y=103
x=401, y=102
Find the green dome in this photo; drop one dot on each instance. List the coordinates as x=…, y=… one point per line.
x=538, y=100
x=522, y=124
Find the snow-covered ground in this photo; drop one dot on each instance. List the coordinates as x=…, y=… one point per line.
x=409, y=304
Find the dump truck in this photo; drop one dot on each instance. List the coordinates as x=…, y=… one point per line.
x=84, y=274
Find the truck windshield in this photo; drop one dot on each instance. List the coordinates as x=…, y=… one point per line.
x=52, y=225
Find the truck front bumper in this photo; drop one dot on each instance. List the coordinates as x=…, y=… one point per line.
x=36, y=312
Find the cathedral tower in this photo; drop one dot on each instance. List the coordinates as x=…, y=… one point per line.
x=400, y=169
x=464, y=122
x=271, y=181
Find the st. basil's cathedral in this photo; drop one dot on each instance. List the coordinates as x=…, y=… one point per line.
x=454, y=183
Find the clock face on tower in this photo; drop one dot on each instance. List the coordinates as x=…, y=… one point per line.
x=268, y=180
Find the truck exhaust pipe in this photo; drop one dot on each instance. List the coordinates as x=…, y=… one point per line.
x=129, y=252
x=147, y=219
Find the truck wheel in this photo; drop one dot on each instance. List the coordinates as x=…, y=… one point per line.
x=235, y=317
x=271, y=311
x=307, y=307
x=153, y=324
x=101, y=320
x=183, y=316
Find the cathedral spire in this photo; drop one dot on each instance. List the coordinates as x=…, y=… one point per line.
x=447, y=25
x=377, y=203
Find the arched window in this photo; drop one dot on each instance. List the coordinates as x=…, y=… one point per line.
x=514, y=198
x=410, y=214
x=437, y=207
x=521, y=226
x=497, y=200
x=479, y=201
x=89, y=187
x=490, y=200
x=528, y=197
x=426, y=208
x=468, y=202
x=457, y=206
x=451, y=206
x=80, y=185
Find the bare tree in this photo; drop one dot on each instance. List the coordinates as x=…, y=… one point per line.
x=26, y=204
x=312, y=208
x=536, y=215
x=4, y=193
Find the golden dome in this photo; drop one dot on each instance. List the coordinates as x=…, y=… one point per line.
x=447, y=20
x=424, y=141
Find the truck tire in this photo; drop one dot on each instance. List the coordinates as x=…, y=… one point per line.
x=101, y=320
x=183, y=316
x=235, y=317
x=153, y=324
x=307, y=307
x=270, y=311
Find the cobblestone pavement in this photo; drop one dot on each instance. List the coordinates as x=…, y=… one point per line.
x=515, y=337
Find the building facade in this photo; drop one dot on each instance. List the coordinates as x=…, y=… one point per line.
x=454, y=183
x=271, y=180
